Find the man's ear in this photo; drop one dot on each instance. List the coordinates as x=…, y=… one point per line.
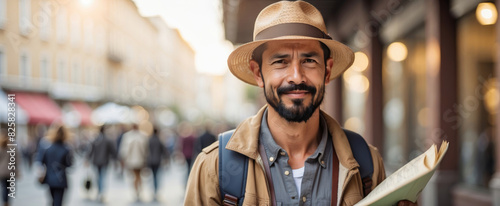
x=328, y=70
x=254, y=66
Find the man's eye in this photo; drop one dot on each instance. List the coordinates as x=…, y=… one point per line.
x=281, y=61
x=309, y=61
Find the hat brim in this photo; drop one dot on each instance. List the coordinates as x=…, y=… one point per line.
x=239, y=60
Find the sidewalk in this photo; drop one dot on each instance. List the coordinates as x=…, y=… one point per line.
x=118, y=190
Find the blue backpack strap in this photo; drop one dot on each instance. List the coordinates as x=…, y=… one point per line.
x=362, y=154
x=233, y=168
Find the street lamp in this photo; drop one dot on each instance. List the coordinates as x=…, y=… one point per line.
x=486, y=13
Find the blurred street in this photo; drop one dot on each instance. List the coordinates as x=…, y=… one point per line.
x=145, y=81
x=119, y=190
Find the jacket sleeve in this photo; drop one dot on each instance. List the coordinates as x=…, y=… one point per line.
x=40, y=153
x=122, y=152
x=112, y=149
x=91, y=151
x=68, y=161
x=378, y=167
x=203, y=183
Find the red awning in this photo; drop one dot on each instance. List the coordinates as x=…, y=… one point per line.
x=85, y=112
x=39, y=107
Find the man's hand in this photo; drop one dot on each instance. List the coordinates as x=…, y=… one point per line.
x=406, y=203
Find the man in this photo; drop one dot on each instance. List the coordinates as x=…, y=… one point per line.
x=101, y=152
x=204, y=140
x=304, y=150
x=157, y=152
x=133, y=152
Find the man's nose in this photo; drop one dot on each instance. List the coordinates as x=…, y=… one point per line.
x=296, y=73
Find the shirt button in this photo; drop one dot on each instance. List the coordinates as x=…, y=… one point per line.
x=271, y=159
x=283, y=153
x=287, y=173
x=304, y=199
x=322, y=162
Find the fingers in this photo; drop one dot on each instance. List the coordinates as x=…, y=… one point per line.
x=406, y=203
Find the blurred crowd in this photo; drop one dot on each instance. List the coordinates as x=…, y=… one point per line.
x=125, y=148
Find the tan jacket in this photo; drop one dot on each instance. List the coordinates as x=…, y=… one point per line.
x=203, y=183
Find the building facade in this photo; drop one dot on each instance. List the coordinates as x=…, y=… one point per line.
x=74, y=56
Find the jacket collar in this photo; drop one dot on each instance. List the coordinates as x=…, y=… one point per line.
x=245, y=139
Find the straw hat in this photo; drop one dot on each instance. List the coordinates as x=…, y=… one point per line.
x=288, y=20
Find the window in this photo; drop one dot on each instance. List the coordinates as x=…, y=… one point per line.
x=45, y=68
x=61, y=70
x=76, y=72
x=3, y=13
x=477, y=101
x=44, y=20
x=75, y=29
x=101, y=75
x=100, y=41
x=62, y=25
x=3, y=62
x=89, y=35
x=24, y=66
x=89, y=74
x=24, y=16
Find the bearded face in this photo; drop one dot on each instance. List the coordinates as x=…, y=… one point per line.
x=300, y=109
x=293, y=74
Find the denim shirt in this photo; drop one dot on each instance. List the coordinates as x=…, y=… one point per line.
x=317, y=179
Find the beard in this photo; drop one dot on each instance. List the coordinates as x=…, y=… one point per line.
x=298, y=112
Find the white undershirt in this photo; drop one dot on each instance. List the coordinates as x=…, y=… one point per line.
x=297, y=176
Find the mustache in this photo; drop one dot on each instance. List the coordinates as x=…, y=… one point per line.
x=292, y=87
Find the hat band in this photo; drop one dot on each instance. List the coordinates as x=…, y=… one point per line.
x=291, y=29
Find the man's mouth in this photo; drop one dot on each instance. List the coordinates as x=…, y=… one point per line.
x=296, y=93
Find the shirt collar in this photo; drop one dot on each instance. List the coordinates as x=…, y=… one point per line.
x=320, y=151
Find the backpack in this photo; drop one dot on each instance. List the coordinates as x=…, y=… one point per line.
x=233, y=167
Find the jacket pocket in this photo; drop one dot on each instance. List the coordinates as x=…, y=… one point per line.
x=352, y=199
x=253, y=200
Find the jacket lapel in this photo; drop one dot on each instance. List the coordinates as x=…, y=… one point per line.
x=245, y=139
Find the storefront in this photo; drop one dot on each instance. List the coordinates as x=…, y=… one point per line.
x=437, y=63
x=404, y=89
x=425, y=71
x=477, y=106
x=40, y=112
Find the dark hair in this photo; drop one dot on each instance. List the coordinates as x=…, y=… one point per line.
x=102, y=129
x=257, y=53
x=58, y=133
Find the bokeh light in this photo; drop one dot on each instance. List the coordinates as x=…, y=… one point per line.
x=360, y=61
x=486, y=13
x=397, y=51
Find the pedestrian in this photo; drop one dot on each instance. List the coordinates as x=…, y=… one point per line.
x=122, y=130
x=133, y=151
x=295, y=151
x=157, y=152
x=56, y=157
x=205, y=140
x=6, y=167
x=187, y=136
x=30, y=147
x=102, y=150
